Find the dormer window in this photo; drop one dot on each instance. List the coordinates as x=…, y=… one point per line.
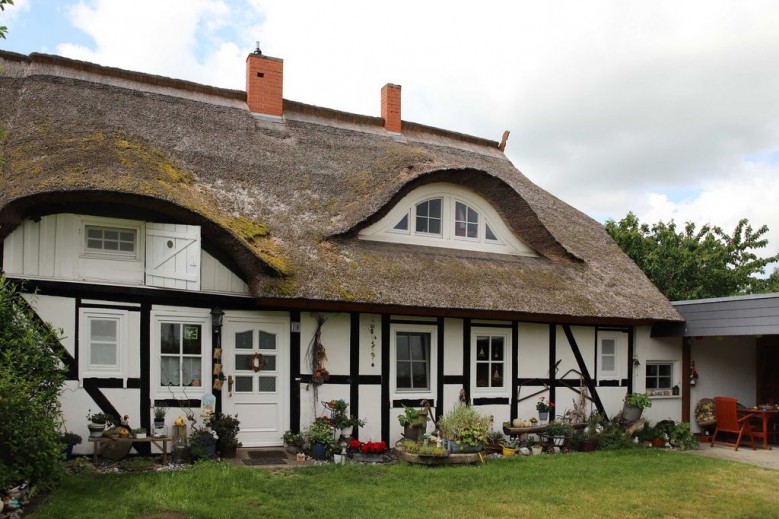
x=446, y=215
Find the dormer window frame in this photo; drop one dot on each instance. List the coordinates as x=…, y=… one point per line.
x=407, y=210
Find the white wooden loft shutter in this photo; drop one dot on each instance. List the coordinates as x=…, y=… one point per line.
x=173, y=256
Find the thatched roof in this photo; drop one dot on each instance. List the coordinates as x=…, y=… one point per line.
x=285, y=200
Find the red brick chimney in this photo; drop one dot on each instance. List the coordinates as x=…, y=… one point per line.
x=264, y=84
x=390, y=107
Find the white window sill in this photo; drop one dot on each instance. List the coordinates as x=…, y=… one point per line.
x=664, y=397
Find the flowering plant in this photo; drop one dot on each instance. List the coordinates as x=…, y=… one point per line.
x=543, y=406
x=368, y=447
x=533, y=421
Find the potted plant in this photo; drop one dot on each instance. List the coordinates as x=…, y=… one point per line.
x=139, y=433
x=320, y=438
x=509, y=447
x=226, y=428
x=69, y=439
x=560, y=432
x=413, y=421
x=97, y=423
x=159, y=421
x=464, y=429
x=634, y=405
x=293, y=441
x=367, y=451
x=341, y=420
x=544, y=407
x=202, y=445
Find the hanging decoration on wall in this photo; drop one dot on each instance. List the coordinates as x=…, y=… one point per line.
x=316, y=355
x=256, y=362
x=372, y=329
x=693, y=373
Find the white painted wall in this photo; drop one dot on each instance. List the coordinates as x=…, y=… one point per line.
x=648, y=349
x=726, y=367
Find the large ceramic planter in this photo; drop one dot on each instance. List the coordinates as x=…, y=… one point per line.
x=412, y=433
x=96, y=429
x=319, y=451
x=508, y=451
x=589, y=445
x=631, y=413
x=658, y=443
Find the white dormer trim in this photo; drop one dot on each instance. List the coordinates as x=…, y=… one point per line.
x=447, y=236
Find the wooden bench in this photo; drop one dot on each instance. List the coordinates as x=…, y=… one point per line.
x=101, y=443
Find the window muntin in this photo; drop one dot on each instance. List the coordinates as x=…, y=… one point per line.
x=252, y=342
x=659, y=375
x=110, y=240
x=412, y=361
x=490, y=361
x=428, y=216
x=181, y=354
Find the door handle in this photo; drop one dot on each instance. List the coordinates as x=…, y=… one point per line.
x=229, y=383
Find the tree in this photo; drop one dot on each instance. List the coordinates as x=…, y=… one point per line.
x=696, y=263
x=31, y=378
x=3, y=28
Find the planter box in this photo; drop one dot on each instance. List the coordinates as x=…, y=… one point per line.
x=368, y=458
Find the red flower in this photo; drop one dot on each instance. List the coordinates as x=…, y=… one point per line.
x=364, y=448
x=355, y=444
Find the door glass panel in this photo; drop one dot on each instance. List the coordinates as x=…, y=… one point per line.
x=243, y=340
x=244, y=384
x=267, y=384
x=270, y=362
x=267, y=341
x=242, y=362
x=169, y=342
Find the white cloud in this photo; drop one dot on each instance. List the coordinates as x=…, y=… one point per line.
x=12, y=12
x=613, y=106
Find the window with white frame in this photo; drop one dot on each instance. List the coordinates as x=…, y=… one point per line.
x=110, y=238
x=659, y=375
x=103, y=342
x=446, y=215
x=491, y=370
x=413, y=360
x=608, y=356
x=182, y=347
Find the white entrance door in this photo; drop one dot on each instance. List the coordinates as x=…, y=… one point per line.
x=259, y=394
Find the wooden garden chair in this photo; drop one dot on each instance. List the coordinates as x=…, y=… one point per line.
x=729, y=423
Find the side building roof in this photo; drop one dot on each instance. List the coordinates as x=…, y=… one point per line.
x=286, y=199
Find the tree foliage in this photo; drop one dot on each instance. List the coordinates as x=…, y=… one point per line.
x=692, y=263
x=31, y=378
x=3, y=28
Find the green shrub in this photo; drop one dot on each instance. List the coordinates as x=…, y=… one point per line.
x=613, y=438
x=31, y=377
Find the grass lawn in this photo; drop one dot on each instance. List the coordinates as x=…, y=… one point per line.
x=624, y=484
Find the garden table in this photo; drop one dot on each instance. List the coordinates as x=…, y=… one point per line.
x=765, y=415
x=101, y=443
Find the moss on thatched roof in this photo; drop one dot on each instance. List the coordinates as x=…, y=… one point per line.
x=286, y=199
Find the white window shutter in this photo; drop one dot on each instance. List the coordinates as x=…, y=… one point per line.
x=173, y=256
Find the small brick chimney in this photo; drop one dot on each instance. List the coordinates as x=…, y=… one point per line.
x=264, y=84
x=390, y=107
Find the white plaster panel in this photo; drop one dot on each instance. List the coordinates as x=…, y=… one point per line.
x=60, y=312
x=533, y=355
x=370, y=411
x=335, y=339
x=453, y=347
x=499, y=414
x=564, y=354
x=370, y=342
x=451, y=395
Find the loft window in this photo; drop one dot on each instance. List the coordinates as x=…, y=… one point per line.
x=429, y=216
x=448, y=216
x=110, y=240
x=608, y=355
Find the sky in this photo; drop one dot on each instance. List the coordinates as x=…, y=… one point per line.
x=669, y=109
